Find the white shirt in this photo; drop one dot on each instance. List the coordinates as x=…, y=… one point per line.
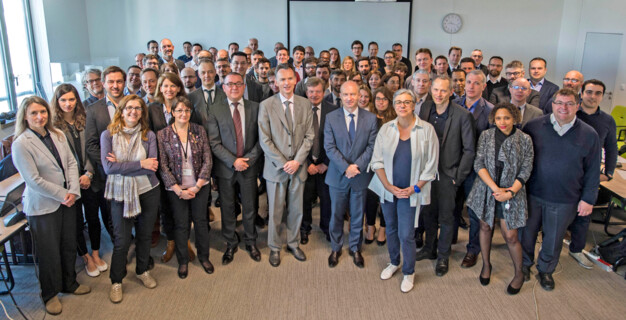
x=242, y=114
x=561, y=130
x=522, y=108
x=346, y=114
x=206, y=94
x=498, y=79
x=537, y=87
x=191, y=64
x=282, y=102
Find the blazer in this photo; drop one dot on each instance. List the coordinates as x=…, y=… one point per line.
x=255, y=89
x=42, y=175
x=86, y=165
x=329, y=99
x=516, y=152
x=457, y=150
x=98, y=120
x=201, y=107
x=502, y=94
x=548, y=89
x=171, y=159
x=281, y=144
x=156, y=117
x=342, y=153
x=224, y=141
x=130, y=168
x=530, y=112
x=326, y=109
x=481, y=114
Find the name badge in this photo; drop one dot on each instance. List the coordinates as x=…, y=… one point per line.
x=187, y=172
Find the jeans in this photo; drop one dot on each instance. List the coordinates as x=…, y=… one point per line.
x=400, y=217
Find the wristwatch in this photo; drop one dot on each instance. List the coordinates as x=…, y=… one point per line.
x=512, y=193
x=89, y=175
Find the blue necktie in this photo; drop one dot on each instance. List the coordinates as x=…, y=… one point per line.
x=351, y=129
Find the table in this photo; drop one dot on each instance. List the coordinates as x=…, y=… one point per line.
x=617, y=188
x=7, y=233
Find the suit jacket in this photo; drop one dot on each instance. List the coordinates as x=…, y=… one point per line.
x=156, y=117
x=481, y=114
x=483, y=68
x=281, y=144
x=548, y=89
x=98, y=120
x=329, y=99
x=530, y=112
x=342, y=153
x=86, y=165
x=224, y=142
x=457, y=150
x=201, y=107
x=42, y=175
x=255, y=89
x=274, y=62
x=502, y=94
x=326, y=109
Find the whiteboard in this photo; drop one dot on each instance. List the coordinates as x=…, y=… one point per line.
x=325, y=24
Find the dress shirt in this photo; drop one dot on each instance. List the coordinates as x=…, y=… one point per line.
x=127, y=91
x=282, y=102
x=111, y=107
x=206, y=94
x=472, y=107
x=522, y=108
x=561, y=130
x=300, y=70
x=418, y=104
x=498, y=79
x=242, y=114
x=167, y=115
x=191, y=64
x=537, y=87
x=346, y=114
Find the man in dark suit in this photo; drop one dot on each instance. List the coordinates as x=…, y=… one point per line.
x=318, y=162
x=92, y=81
x=454, y=57
x=475, y=83
x=99, y=115
x=286, y=136
x=420, y=84
x=538, y=82
x=397, y=49
x=372, y=49
x=494, y=79
x=519, y=90
x=454, y=126
x=233, y=135
x=273, y=60
x=310, y=65
x=349, y=136
x=209, y=94
x=477, y=56
x=514, y=70
x=253, y=90
x=337, y=79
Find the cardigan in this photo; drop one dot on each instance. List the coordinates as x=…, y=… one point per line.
x=171, y=159
x=130, y=168
x=516, y=152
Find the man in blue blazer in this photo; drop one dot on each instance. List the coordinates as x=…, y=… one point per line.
x=538, y=82
x=349, y=136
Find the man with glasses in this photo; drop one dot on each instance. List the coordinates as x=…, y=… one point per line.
x=563, y=184
x=494, y=79
x=477, y=56
x=573, y=80
x=310, y=64
x=513, y=70
x=520, y=90
x=397, y=50
x=372, y=50
x=233, y=135
x=151, y=61
x=93, y=84
x=253, y=91
x=189, y=78
x=420, y=84
x=133, y=84
x=538, y=82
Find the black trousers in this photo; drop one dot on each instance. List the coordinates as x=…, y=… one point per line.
x=316, y=187
x=197, y=209
x=123, y=228
x=105, y=213
x=54, y=236
x=87, y=209
x=249, y=202
x=372, y=206
x=440, y=211
x=166, y=214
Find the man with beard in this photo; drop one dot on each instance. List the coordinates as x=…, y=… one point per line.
x=514, y=70
x=167, y=49
x=189, y=78
x=337, y=78
x=133, y=84
x=310, y=65
x=494, y=79
x=93, y=83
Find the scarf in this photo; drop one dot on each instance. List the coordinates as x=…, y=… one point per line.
x=124, y=188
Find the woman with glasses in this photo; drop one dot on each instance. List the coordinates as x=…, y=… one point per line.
x=504, y=161
x=390, y=61
x=185, y=163
x=405, y=159
x=129, y=158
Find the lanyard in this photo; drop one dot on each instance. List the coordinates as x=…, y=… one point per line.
x=184, y=147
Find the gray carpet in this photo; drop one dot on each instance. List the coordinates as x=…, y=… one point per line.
x=249, y=290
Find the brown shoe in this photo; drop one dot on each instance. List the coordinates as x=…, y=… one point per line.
x=169, y=251
x=156, y=235
x=53, y=306
x=469, y=260
x=211, y=215
x=192, y=255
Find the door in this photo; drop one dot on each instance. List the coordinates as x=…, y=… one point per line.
x=600, y=60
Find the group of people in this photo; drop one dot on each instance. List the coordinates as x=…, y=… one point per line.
x=410, y=147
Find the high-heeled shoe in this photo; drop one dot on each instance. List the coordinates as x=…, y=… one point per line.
x=369, y=241
x=379, y=242
x=513, y=291
x=485, y=281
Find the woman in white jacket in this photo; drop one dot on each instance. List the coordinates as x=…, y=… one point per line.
x=405, y=160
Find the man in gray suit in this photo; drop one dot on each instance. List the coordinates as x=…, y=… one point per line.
x=349, y=136
x=513, y=71
x=208, y=95
x=286, y=136
x=233, y=135
x=520, y=90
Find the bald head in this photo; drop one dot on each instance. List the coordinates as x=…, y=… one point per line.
x=350, y=95
x=167, y=48
x=520, y=90
x=222, y=54
x=573, y=80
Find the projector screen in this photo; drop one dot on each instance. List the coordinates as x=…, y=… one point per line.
x=325, y=24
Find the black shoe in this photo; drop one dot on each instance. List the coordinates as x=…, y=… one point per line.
x=274, y=258
x=425, y=254
x=463, y=224
x=357, y=258
x=327, y=236
x=218, y=203
x=150, y=263
x=546, y=281
x=419, y=240
x=484, y=281
x=297, y=253
x=262, y=189
x=512, y=291
x=442, y=267
x=333, y=259
x=229, y=255
x=207, y=266
x=254, y=252
x=259, y=222
x=526, y=272
x=182, y=271
x=304, y=237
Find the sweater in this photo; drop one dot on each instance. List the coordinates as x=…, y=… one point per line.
x=604, y=125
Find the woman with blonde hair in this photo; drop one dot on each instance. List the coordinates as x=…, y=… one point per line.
x=348, y=65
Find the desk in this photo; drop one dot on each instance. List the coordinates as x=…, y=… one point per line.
x=617, y=188
x=7, y=233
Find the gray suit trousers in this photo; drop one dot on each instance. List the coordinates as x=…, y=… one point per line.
x=280, y=195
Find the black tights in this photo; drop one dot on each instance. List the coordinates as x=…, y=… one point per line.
x=515, y=250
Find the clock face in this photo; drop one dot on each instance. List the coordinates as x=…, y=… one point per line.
x=451, y=23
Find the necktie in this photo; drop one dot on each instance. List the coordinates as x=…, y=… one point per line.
x=352, y=129
x=209, y=99
x=238, y=129
x=288, y=116
x=338, y=102
x=316, y=128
